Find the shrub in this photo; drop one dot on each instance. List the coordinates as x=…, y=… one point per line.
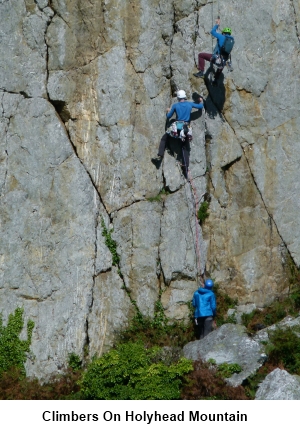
x=204, y=382
x=258, y=319
x=203, y=211
x=110, y=243
x=12, y=349
x=284, y=349
x=130, y=372
x=75, y=362
x=225, y=370
x=159, y=331
x=14, y=386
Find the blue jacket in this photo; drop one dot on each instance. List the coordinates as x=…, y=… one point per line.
x=220, y=39
x=183, y=110
x=204, y=300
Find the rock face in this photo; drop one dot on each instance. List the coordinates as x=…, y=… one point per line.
x=228, y=344
x=83, y=90
x=279, y=385
x=288, y=322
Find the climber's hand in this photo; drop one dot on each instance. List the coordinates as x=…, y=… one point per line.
x=218, y=21
x=168, y=110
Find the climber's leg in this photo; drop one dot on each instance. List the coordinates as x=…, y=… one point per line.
x=161, y=150
x=201, y=63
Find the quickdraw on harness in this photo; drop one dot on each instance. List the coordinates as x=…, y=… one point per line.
x=180, y=130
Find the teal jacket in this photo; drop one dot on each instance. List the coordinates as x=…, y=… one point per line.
x=204, y=302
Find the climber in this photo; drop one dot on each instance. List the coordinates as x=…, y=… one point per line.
x=180, y=128
x=204, y=300
x=221, y=55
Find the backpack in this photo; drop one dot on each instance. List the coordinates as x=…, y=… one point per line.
x=226, y=49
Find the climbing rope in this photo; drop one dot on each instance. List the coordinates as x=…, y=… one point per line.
x=200, y=278
x=197, y=226
x=213, y=22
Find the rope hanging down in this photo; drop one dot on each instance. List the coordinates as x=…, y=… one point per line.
x=213, y=22
x=196, y=202
x=197, y=226
x=200, y=278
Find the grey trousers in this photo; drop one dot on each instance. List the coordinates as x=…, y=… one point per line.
x=203, y=327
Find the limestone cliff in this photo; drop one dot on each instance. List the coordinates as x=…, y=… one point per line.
x=83, y=90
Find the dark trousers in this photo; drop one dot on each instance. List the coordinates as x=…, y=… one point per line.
x=185, y=149
x=201, y=63
x=203, y=326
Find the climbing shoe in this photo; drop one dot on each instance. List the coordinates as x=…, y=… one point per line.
x=156, y=161
x=229, y=66
x=200, y=74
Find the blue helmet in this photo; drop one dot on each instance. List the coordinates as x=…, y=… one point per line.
x=209, y=283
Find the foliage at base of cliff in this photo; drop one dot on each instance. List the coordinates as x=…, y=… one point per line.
x=13, y=350
x=132, y=372
x=204, y=382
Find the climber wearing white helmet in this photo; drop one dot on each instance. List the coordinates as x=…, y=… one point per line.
x=183, y=110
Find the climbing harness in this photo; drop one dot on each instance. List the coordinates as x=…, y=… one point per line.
x=180, y=130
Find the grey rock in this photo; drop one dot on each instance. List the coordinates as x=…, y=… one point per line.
x=62, y=45
x=244, y=309
x=176, y=298
x=110, y=313
x=177, y=250
x=279, y=385
x=48, y=221
x=263, y=335
x=23, y=65
x=111, y=70
x=137, y=233
x=42, y=3
x=228, y=344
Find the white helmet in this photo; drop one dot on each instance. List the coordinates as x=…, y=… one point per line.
x=181, y=94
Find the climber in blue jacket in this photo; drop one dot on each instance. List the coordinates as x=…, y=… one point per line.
x=215, y=57
x=204, y=302
x=182, y=109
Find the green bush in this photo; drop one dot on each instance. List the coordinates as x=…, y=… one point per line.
x=12, y=349
x=284, y=348
x=225, y=370
x=203, y=211
x=110, y=243
x=131, y=372
x=159, y=330
x=75, y=362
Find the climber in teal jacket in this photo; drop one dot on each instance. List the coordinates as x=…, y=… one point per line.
x=213, y=58
x=204, y=302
